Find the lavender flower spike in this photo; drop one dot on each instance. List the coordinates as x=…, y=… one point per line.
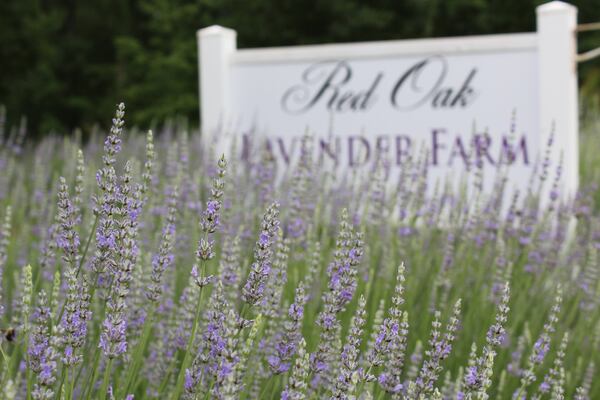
x=72, y=328
x=107, y=204
x=350, y=375
x=342, y=283
x=209, y=223
x=542, y=345
x=165, y=257
x=42, y=356
x=296, y=387
x=440, y=348
x=235, y=381
x=4, y=240
x=478, y=377
x=286, y=347
x=68, y=239
x=112, y=144
x=254, y=289
x=113, y=341
x=392, y=339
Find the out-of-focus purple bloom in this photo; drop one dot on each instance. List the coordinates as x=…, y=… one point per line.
x=285, y=348
x=440, y=347
x=72, y=327
x=254, y=289
x=165, y=257
x=68, y=238
x=113, y=340
x=209, y=223
x=5, y=231
x=342, y=284
x=350, y=374
x=41, y=354
x=112, y=144
x=542, y=344
x=471, y=377
x=540, y=349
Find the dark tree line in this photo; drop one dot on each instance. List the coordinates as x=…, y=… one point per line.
x=65, y=63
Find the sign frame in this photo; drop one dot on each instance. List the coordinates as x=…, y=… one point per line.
x=554, y=42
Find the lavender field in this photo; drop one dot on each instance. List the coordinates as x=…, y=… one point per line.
x=136, y=266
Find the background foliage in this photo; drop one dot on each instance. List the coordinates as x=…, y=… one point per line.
x=65, y=62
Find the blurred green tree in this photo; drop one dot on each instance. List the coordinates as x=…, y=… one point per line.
x=65, y=63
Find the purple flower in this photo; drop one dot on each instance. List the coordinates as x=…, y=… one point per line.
x=254, y=289
x=277, y=365
x=349, y=370
x=540, y=347
x=210, y=217
x=287, y=345
x=441, y=346
x=73, y=324
x=383, y=381
x=113, y=341
x=165, y=257
x=106, y=239
x=342, y=284
x=544, y=387
x=189, y=381
x=41, y=354
x=112, y=143
x=472, y=378
x=68, y=238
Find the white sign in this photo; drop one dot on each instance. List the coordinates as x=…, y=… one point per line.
x=453, y=97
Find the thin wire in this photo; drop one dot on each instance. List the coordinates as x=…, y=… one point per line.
x=593, y=26
x=588, y=55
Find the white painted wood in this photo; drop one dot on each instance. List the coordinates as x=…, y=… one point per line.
x=243, y=92
x=451, y=45
x=216, y=45
x=557, y=71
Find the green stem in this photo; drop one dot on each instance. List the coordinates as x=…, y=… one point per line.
x=139, y=351
x=81, y=261
x=87, y=245
x=93, y=376
x=65, y=378
x=13, y=363
x=29, y=384
x=165, y=381
x=264, y=391
x=363, y=382
x=62, y=379
x=4, y=356
x=188, y=348
x=244, y=310
x=7, y=360
x=210, y=388
x=28, y=373
x=106, y=380
x=188, y=351
x=76, y=377
x=276, y=389
x=521, y=389
x=70, y=386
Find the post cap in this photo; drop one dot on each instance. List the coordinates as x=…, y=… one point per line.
x=555, y=7
x=216, y=30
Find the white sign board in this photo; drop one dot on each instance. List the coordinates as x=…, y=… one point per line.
x=453, y=97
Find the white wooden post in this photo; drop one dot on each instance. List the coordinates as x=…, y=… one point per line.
x=215, y=46
x=557, y=66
